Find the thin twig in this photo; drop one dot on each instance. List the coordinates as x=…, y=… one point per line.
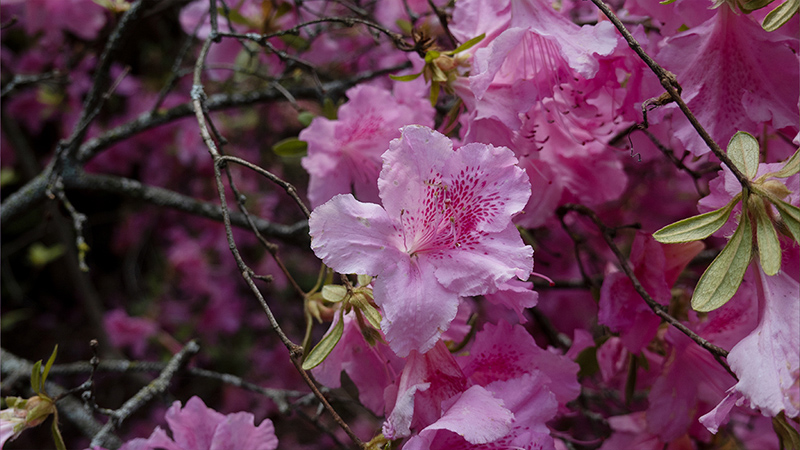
x=24, y=80
x=12, y=366
x=291, y=190
x=148, y=392
x=658, y=309
x=669, y=84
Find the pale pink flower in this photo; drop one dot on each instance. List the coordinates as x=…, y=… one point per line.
x=444, y=231
x=767, y=361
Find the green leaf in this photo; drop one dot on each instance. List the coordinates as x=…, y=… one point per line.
x=467, y=45
x=724, y=275
x=59, y=441
x=790, y=215
x=305, y=117
x=587, y=361
x=295, y=42
x=788, y=436
x=36, y=377
x=697, y=227
x=434, y=93
x=667, y=2
x=290, y=147
x=330, y=110
x=790, y=167
x=39, y=255
x=325, y=346
x=780, y=15
x=404, y=25
x=411, y=77
x=372, y=315
x=49, y=365
x=769, y=247
x=334, y=293
x=753, y=5
x=431, y=55
x=743, y=151
x=8, y=176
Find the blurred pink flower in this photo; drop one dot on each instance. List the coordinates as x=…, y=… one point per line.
x=126, y=331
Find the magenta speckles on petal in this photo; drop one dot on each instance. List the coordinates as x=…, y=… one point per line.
x=444, y=231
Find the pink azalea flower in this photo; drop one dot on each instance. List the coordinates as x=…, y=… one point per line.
x=735, y=76
x=767, y=361
x=516, y=386
x=444, y=231
x=371, y=367
x=344, y=155
x=198, y=427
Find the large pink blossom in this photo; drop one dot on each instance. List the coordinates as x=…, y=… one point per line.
x=444, y=231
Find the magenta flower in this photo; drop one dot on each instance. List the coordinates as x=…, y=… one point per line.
x=444, y=231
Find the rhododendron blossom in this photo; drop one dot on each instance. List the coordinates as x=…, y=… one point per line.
x=444, y=231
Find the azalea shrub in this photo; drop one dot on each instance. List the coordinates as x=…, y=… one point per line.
x=417, y=224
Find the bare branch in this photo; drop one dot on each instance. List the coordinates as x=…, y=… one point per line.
x=658, y=309
x=147, y=393
x=12, y=366
x=669, y=84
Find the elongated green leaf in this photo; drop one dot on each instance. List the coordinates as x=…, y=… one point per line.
x=334, y=293
x=743, y=151
x=290, y=147
x=753, y=5
x=467, y=45
x=695, y=228
x=411, y=77
x=769, y=247
x=790, y=167
x=667, y=2
x=790, y=215
x=372, y=315
x=57, y=439
x=49, y=365
x=780, y=15
x=724, y=275
x=788, y=437
x=434, y=93
x=36, y=377
x=325, y=346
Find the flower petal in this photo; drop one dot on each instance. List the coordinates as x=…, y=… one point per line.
x=354, y=237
